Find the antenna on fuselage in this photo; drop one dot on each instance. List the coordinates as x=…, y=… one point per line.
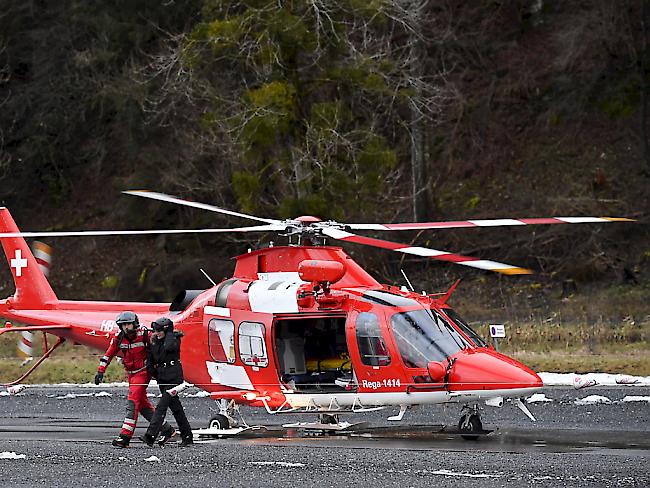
x=407, y=279
x=207, y=276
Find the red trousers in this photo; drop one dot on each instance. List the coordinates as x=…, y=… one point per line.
x=137, y=402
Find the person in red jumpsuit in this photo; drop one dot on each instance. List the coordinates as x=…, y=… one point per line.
x=132, y=343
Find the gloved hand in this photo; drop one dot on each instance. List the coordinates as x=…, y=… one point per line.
x=99, y=377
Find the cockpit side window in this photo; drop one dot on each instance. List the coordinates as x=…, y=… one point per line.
x=372, y=348
x=423, y=336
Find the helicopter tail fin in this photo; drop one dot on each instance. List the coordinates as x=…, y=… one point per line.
x=32, y=288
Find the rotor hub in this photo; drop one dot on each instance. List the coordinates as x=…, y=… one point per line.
x=308, y=219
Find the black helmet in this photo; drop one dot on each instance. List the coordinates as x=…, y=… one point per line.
x=163, y=323
x=125, y=318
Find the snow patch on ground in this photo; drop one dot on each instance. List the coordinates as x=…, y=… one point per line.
x=11, y=455
x=603, y=379
x=446, y=472
x=593, y=400
x=538, y=397
x=634, y=398
x=85, y=385
x=576, y=380
x=152, y=459
x=75, y=395
x=278, y=463
x=200, y=394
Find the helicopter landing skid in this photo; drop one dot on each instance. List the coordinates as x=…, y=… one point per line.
x=214, y=432
x=329, y=428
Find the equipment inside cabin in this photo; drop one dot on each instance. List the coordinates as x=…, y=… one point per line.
x=313, y=354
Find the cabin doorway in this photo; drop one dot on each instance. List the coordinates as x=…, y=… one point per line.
x=313, y=355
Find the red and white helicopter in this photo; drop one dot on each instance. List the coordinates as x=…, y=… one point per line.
x=302, y=327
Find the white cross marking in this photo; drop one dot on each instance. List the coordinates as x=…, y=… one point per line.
x=19, y=262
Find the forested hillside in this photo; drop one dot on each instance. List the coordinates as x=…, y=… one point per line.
x=353, y=110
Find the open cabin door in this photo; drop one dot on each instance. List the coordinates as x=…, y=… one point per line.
x=238, y=342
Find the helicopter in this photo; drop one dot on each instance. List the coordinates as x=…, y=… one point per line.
x=301, y=327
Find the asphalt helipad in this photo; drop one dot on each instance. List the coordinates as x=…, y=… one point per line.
x=65, y=440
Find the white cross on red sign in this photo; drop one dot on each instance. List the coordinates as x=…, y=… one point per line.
x=19, y=262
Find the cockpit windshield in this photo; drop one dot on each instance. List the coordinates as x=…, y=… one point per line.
x=423, y=336
x=464, y=326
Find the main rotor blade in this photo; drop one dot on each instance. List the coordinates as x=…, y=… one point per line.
x=428, y=253
x=188, y=203
x=88, y=233
x=486, y=223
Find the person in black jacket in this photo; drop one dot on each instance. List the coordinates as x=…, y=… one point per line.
x=166, y=367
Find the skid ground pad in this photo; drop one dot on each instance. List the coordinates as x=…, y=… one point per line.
x=320, y=427
x=214, y=432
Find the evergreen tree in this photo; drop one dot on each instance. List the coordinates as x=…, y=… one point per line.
x=309, y=99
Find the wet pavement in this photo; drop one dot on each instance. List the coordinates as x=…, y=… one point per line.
x=66, y=440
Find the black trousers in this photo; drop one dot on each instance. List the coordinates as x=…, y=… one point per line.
x=147, y=412
x=174, y=404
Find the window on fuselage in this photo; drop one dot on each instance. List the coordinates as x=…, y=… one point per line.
x=252, y=348
x=221, y=340
x=372, y=348
x=464, y=326
x=423, y=336
x=383, y=297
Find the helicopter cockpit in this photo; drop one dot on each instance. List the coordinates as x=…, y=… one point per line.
x=423, y=334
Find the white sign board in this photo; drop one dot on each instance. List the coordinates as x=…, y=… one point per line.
x=497, y=330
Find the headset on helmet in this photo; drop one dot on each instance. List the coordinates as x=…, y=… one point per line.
x=163, y=323
x=125, y=318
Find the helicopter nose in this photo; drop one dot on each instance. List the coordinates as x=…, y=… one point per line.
x=489, y=370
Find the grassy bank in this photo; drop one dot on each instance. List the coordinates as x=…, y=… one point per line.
x=68, y=364
x=61, y=370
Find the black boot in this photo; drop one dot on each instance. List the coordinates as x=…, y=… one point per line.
x=186, y=441
x=121, y=440
x=166, y=436
x=148, y=439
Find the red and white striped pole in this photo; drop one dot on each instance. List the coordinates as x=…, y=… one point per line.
x=43, y=254
x=25, y=348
